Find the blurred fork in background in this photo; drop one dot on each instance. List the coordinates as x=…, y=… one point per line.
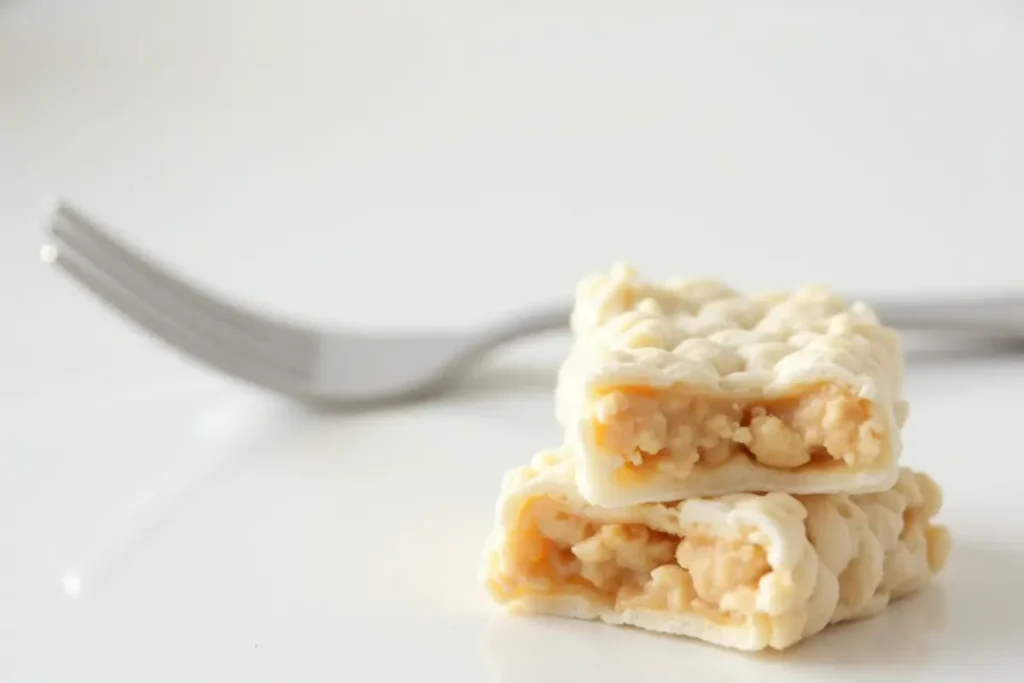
x=330, y=367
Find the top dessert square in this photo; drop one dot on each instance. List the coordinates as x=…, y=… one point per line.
x=690, y=388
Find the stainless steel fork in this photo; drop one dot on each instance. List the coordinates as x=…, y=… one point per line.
x=324, y=367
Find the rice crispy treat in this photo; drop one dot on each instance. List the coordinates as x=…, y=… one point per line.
x=748, y=571
x=690, y=388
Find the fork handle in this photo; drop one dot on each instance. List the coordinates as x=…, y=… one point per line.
x=998, y=317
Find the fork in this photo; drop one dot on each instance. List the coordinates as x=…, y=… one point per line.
x=322, y=367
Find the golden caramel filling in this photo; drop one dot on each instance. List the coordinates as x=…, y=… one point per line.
x=671, y=431
x=630, y=566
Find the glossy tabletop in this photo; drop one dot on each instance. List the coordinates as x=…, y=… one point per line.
x=402, y=163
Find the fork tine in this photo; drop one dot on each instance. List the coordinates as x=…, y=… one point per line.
x=146, y=287
x=279, y=331
x=224, y=359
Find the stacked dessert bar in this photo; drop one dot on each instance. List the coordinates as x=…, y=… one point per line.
x=730, y=469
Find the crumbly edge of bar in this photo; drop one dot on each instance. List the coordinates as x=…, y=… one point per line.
x=672, y=431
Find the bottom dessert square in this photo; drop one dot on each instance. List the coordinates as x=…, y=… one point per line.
x=742, y=570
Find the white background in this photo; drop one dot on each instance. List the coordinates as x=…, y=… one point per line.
x=402, y=163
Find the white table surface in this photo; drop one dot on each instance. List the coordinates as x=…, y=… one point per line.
x=399, y=163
